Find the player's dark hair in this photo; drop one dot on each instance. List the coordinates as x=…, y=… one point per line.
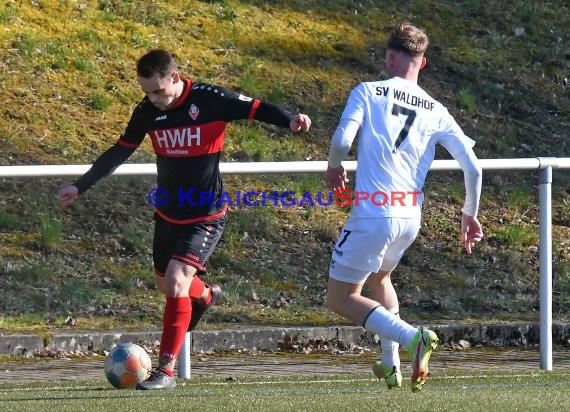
x=408, y=38
x=156, y=62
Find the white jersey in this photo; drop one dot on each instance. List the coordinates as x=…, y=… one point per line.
x=400, y=126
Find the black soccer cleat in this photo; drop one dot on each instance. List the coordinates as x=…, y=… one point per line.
x=157, y=380
x=199, y=309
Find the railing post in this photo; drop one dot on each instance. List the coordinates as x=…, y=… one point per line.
x=545, y=256
x=184, y=358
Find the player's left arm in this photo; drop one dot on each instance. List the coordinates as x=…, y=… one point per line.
x=461, y=148
x=239, y=107
x=471, y=230
x=271, y=113
x=341, y=143
x=345, y=133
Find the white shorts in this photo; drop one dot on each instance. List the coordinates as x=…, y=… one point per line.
x=366, y=246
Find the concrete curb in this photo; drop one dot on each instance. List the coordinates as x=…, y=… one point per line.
x=275, y=339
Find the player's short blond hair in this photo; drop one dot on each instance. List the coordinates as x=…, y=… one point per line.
x=408, y=38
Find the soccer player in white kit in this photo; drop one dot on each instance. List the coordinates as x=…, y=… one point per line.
x=400, y=126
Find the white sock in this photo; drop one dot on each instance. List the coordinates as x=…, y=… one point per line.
x=390, y=349
x=389, y=326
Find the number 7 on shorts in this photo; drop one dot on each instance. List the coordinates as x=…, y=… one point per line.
x=346, y=234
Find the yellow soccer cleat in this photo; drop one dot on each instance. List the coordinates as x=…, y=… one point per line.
x=419, y=351
x=391, y=376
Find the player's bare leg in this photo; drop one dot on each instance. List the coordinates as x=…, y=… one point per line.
x=382, y=290
x=161, y=283
x=345, y=299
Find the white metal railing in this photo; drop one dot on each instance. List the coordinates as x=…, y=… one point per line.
x=533, y=163
x=543, y=164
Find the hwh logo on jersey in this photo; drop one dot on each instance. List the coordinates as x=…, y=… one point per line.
x=176, y=138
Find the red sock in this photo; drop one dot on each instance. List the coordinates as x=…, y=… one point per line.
x=175, y=323
x=208, y=298
x=196, y=288
x=167, y=371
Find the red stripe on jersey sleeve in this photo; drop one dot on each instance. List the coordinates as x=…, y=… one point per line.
x=253, y=109
x=127, y=144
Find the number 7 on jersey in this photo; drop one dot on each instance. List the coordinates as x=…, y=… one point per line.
x=410, y=116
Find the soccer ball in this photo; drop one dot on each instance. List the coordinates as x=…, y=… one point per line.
x=126, y=365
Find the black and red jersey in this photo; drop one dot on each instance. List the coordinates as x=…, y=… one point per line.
x=188, y=140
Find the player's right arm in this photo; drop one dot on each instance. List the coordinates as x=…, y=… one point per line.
x=67, y=195
x=110, y=159
x=344, y=135
x=103, y=166
x=341, y=143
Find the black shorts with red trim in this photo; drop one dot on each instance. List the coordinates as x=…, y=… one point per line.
x=191, y=243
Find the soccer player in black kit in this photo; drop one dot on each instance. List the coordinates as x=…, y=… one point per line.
x=186, y=123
